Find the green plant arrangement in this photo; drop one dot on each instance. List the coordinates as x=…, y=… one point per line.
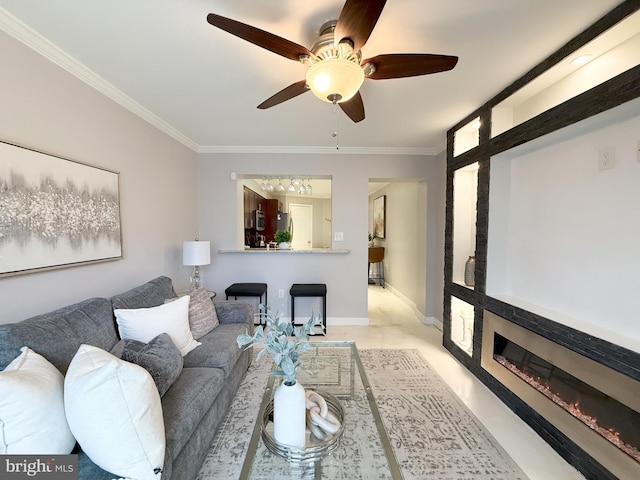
x=282, y=236
x=279, y=343
x=372, y=237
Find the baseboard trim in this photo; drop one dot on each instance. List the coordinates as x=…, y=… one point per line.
x=434, y=321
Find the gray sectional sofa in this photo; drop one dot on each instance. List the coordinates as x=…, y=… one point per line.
x=193, y=407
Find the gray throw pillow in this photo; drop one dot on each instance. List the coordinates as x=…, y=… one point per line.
x=202, y=313
x=160, y=357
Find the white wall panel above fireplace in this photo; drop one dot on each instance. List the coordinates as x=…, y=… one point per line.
x=563, y=235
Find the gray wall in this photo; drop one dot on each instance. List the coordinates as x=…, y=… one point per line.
x=170, y=194
x=345, y=275
x=45, y=108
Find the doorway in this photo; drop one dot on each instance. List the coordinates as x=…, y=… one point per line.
x=301, y=226
x=404, y=242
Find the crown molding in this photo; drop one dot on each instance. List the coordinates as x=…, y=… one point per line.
x=29, y=37
x=441, y=147
x=32, y=39
x=318, y=150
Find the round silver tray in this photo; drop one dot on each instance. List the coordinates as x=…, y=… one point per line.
x=315, y=449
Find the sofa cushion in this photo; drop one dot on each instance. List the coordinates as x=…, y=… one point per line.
x=235, y=312
x=150, y=294
x=32, y=418
x=219, y=348
x=202, y=313
x=160, y=357
x=114, y=411
x=185, y=404
x=145, y=323
x=57, y=335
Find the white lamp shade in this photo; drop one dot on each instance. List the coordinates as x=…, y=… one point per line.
x=196, y=253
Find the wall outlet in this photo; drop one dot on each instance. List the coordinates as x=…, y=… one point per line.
x=281, y=293
x=607, y=158
x=338, y=236
x=638, y=152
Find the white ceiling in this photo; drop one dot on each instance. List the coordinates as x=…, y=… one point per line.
x=162, y=59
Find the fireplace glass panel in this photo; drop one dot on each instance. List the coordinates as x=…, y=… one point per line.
x=613, y=420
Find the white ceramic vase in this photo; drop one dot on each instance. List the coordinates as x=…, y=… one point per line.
x=289, y=415
x=284, y=246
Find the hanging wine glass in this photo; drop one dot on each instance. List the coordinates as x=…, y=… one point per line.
x=269, y=187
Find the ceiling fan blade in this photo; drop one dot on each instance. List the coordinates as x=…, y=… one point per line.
x=258, y=37
x=288, y=93
x=354, y=108
x=409, y=65
x=356, y=21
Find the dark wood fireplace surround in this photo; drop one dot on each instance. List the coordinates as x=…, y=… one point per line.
x=616, y=91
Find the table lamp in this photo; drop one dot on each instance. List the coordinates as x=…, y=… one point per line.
x=194, y=254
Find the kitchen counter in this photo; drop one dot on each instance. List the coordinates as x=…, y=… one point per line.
x=263, y=250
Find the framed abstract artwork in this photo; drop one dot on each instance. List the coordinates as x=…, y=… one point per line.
x=379, y=213
x=55, y=212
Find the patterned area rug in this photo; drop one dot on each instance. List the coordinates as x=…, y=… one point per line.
x=434, y=436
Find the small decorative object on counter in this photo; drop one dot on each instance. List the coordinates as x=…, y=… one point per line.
x=470, y=271
x=283, y=237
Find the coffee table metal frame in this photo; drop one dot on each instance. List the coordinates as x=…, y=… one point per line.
x=394, y=468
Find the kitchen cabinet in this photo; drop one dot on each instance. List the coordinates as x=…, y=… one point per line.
x=270, y=207
x=248, y=222
x=270, y=219
x=252, y=202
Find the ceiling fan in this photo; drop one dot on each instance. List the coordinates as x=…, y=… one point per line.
x=336, y=69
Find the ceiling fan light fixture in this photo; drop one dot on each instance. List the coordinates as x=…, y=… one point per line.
x=336, y=79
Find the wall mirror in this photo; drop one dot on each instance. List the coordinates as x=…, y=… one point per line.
x=300, y=204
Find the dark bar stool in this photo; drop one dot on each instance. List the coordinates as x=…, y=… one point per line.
x=248, y=290
x=376, y=255
x=309, y=290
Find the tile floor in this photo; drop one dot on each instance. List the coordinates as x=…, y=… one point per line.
x=393, y=324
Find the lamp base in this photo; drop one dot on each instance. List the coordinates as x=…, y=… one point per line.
x=194, y=279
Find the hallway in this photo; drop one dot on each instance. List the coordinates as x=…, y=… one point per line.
x=393, y=324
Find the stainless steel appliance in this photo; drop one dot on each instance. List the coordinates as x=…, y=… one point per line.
x=260, y=220
x=282, y=221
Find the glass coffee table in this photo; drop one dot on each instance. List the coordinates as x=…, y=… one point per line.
x=363, y=451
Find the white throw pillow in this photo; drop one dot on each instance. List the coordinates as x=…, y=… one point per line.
x=144, y=324
x=114, y=411
x=32, y=419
